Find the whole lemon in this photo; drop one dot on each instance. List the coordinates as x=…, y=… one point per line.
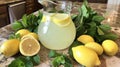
x=85, y=39
x=10, y=47
x=110, y=47
x=85, y=56
x=95, y=46
x=23, y=32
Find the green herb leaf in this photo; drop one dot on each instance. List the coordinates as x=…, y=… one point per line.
x=25, y=61
x=17, y=63
x=53, y=54
x=17, y=25
x=36, y=59
x=24, y=21
x=100, y=32
x=110, y=36
x=15, y=36
x=105, y=27
x=59, y=59
x=91, y=30
x=98, y=18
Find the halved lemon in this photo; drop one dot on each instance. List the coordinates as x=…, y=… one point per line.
x=29, y=46
x=29, y=35
x=23, y=32
x=61, y=19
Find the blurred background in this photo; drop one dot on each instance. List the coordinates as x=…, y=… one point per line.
x=11, y=10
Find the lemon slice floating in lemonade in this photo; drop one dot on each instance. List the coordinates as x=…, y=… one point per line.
x=61, y=19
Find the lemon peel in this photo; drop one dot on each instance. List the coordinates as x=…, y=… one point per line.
x=10, y=47
x=85, y=56
x=23, y=32
x=29, y=35
x=110, y=47
x=95, y=46
x=85, y=39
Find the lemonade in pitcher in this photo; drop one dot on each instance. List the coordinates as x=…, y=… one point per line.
x=56, y=30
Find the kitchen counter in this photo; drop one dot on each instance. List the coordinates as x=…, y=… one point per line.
x=106, y=61
x=4, y=2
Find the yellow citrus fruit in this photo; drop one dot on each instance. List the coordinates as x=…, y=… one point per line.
x=47, y=17
x=22, y=32
x=95, y=46
x=85, y=56
x=110, y=47
x=61, y=19
x=85, y=39
x=10, y=47
x=29, y=46
x=30, y=34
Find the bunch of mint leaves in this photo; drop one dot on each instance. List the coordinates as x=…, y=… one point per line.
x=59, y=59
x=88, y=21
x=29, y=22
x=25, y=61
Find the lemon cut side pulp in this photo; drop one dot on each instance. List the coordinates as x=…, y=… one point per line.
x=29, y=46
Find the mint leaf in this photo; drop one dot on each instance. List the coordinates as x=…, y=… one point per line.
x=36, y=59
x=105, y=27
x=110, y=36
x=14, y=36
x=24, y=21
x=25, y=61
x=17, y=25
x=59, y=59
x=91, y=30
x=99, y=31
x=98, y=18
x=17, y=63
x=53, y=54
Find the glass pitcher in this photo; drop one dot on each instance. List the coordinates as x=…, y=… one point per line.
x=56, y=30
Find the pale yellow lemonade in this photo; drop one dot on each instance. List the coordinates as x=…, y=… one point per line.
x=56, y=31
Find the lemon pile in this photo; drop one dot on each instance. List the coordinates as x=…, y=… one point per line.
x=28, y=45
x=88, y=53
